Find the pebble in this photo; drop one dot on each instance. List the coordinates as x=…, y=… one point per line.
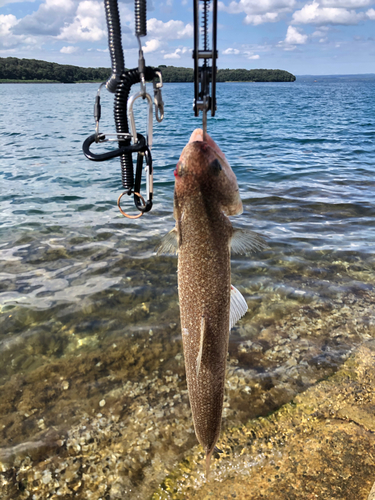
x=46, y=477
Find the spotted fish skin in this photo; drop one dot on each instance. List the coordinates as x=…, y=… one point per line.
x=204, y=295
x=206, y=191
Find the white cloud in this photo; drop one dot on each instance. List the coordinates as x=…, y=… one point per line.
x=48, y=19
x=61, y=5
x=171, y=30
x=11, y=42
x=314, y=13
x=346, y=4
x=249, y=54
x=8, y=41
x=178, y=53
x=269, y=17
x=87, y=24
x=173, y=55
x=230, y=52
x=295, y=37
x=371, y=14
x=151, y=45
x=7, y=22
x=259, y=11
x=68, y=50
x=321, y=31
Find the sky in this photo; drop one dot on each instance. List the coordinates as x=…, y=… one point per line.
x=318, y=37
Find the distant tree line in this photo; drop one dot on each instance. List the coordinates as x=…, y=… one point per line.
x=14, y=69
x=173, y=74
x=254, y=75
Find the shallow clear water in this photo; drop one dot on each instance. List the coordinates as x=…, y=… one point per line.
x=85, y=303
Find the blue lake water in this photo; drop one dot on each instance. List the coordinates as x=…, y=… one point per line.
x=77, y=278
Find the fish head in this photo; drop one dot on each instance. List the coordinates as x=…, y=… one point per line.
x=204, y=171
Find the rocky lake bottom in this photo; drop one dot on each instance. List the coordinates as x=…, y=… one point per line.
x=88, y=412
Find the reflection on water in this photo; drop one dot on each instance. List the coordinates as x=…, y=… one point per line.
x=93, y=393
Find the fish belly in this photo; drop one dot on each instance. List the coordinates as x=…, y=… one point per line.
x=204, y=296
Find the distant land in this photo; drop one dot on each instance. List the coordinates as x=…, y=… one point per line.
x=332, y=78
x=14, y=70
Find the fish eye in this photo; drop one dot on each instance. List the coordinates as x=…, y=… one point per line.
x=215, y=166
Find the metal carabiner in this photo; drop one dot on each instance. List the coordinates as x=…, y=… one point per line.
x=158, y=100
x=147, y=205
x=131, y=119
x=140, y=145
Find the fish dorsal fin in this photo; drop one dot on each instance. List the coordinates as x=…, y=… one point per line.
x=199, y=357
x=169, y=244
x=238, y=306
x=245, y=241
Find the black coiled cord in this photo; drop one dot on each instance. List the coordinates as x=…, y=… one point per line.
x=127, y=79
x=140, y=10
x=114, y=43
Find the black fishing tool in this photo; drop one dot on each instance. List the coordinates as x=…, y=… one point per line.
x=205, y=74
x=119, y=83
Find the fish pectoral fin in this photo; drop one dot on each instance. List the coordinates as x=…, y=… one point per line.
x=238, y=306
x=245, y=241
x=169, y=244
x=199, y=357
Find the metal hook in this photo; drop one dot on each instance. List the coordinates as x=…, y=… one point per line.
x=131, y=119
x=149, y=181
x=158, y=100
x=97, y=112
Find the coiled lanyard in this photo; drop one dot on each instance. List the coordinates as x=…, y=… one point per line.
x=120, y=82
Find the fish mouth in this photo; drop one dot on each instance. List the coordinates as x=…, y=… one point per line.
x=197, y=136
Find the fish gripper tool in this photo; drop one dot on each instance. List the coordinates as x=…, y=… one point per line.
x=204, y=74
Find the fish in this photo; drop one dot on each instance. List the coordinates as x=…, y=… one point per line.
x=206, y=193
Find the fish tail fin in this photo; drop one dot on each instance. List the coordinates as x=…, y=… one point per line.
x=209, y=453
x=208, y=461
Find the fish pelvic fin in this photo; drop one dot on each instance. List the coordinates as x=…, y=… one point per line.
x=199, y=357
x=238, y=306
x=245, y=241
x=169, y=244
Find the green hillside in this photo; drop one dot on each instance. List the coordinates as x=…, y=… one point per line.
x=13, y=69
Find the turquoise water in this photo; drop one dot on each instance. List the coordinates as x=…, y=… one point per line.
x=77, y=278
